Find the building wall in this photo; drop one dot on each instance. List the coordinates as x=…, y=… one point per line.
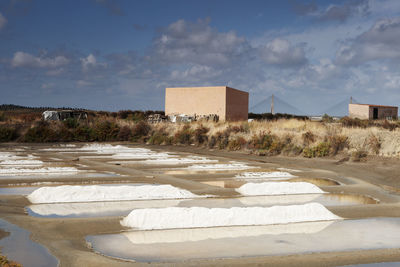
x=359, y=111
x=196, y=100
x=366, y=112
x=226, y=102
x=237, y=104
x=384, y=112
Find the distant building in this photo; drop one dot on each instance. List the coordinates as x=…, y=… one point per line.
x=373, y=112
x=61, y=115
x=225, y=102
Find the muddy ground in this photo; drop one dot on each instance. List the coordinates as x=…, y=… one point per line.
x=65, y=238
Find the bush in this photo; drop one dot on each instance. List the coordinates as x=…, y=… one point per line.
x=200, y=134
x=308, y=138
x=7, y=134
x=83, y=133
x=106, y=131
x=159, y=138
x=374, y=144
x=2, y=116
x=327, y=118
x=321, y=150
x=184, y=136
x=237, y=144
x=140, y=130
x=71, y=123
x=125, y=134
x=358, y=155
x=349, y=122
x=42, y=132
x=338, y=143
x=261, y=141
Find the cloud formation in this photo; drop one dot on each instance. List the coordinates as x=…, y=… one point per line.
x=281, y=52
x=22, y=59
x=380, y=42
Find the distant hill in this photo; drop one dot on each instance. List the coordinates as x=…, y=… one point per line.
x=12, y=107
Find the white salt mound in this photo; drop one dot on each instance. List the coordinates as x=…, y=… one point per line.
x=263, y=175
x=278, y=188
x=194, y=217
x=17, y=171
x=21, y=162
x=90, y=193
x=173, y=161
x=220, y=167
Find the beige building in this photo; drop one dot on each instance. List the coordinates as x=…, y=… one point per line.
x=228, y=103
x=372, y=112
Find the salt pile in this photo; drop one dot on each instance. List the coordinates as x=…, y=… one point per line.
x=24, y=162
x=198, y=234
x=265, y=175
x=48, y=170
x=90, y=193
x=196, y=217
x=173, y=161
x=233, y=165
x=278, y=188
x=123, y=152
x=97, y=209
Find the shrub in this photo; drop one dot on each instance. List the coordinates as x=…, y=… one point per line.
x=42, y=132
x=7, y=134
x=71, y=123
x=106, y=131
x=327, y=118
x=308, y=138
x=83, y=133
x=140, y=129
x=349, y=122
x=200, y=134
x=125, y=133
x=237, y=144
x=2, y=116
x=222, y=139
x=321, y=150
x=276, y=147
x=358, y=155
x=184, y=136
x=337, y=143
x=160, y=137
x=374, y=144
x=261, y=141
x=212, y=142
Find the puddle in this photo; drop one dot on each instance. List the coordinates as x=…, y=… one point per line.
x=20, y=248
x=230, y=242
x=123, y=208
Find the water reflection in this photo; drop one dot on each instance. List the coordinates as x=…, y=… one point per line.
x=313, y=237
x=20, y=248
x=123, y=208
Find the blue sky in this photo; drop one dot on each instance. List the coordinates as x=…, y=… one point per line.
x=116, y=54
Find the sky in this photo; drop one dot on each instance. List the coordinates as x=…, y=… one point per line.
x=122, y=54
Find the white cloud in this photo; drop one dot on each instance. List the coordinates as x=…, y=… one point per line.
x=90, y=62
x=3, y=21
x=281, y=52
x=197, y=43
x=380, y=42
x=22, y=59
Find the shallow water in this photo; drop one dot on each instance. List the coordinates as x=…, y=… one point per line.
x=20, y=248
x=123, y=208
x=299, y=238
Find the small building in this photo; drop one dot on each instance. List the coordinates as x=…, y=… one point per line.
x=373, y=112
x=61, y=115
x=224, y=102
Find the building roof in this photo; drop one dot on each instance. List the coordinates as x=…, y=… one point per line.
x=372, y=105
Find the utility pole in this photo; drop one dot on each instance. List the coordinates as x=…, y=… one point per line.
x=351, y=100
x=272, y=105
